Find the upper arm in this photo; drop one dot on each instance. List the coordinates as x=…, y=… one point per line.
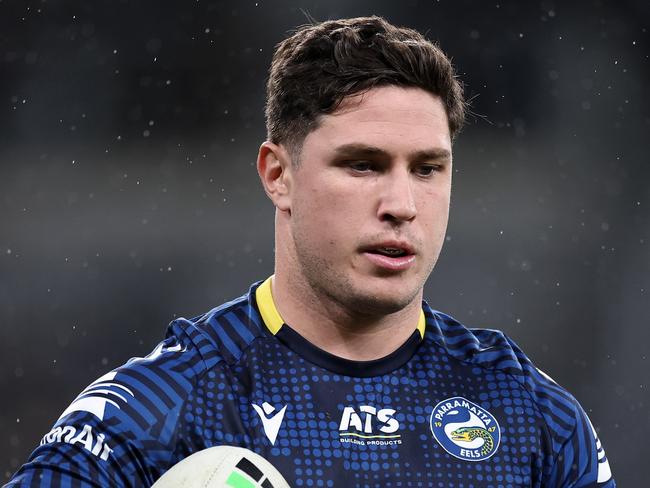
x=581, y=461
x=121, y=430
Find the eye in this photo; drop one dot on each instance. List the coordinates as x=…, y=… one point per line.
x=360, y=166
x=426, y=170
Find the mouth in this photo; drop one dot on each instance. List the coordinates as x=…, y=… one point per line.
x=393, y=255
x=391, y=252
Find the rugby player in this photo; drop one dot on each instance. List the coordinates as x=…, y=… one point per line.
x=335, y=369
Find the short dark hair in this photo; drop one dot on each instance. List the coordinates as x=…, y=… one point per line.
x=314, y=69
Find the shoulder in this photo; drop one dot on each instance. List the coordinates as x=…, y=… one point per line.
x=125, y=424
x=575, y=453
x=145, y=391
x=224, y=333
x=490, y=350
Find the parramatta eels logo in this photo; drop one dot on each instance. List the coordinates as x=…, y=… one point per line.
x=465, y=430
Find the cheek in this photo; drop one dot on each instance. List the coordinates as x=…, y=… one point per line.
x=328, y=204
x=327, y=221
x=436, y=211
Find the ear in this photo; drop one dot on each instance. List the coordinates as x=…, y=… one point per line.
x=275, y=170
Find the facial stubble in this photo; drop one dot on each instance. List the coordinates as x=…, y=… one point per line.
x=328, y=281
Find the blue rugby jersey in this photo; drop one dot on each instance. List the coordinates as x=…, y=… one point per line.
x=452, y=407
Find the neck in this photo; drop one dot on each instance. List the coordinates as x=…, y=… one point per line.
x=335, y=328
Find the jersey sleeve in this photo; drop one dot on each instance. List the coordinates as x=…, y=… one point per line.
x=121, y=430
x=575, y=457
x=581, y=461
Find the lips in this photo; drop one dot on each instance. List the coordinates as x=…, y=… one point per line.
x=390, y=255
x=392, y=252
x=390, y=248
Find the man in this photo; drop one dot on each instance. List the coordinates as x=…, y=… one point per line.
x=335, y=369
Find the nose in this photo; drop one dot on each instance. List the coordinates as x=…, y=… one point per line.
x=397, y=200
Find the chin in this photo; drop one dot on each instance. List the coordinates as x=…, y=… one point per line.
x=378, y=306
x=390, y=299
x=361, y=291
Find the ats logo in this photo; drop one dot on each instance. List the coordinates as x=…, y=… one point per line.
x=369, y=426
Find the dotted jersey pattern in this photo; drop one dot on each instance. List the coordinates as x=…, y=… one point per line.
x=197, y=391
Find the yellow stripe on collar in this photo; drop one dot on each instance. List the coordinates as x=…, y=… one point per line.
x=272, y=318
x=421, y=324
x=270, y=314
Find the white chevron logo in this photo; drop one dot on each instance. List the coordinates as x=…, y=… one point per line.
x=90, y=401
x=271, y=424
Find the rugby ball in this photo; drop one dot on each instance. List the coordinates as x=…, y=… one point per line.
x=222, y=467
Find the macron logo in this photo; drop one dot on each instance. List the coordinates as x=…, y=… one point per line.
x=271, y=424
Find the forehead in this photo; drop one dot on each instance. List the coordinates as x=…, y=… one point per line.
x=389, y=117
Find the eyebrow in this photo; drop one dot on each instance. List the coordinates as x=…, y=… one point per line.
x=356, y=149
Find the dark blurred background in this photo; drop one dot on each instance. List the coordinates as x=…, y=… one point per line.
x=128, y=192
